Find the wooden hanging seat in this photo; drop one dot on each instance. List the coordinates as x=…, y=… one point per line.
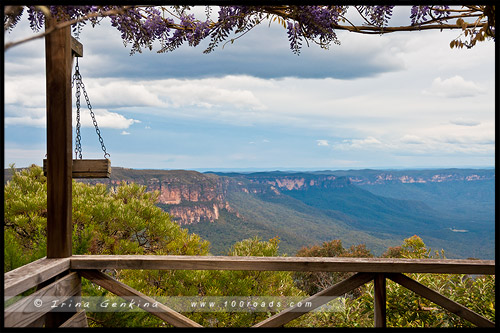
x=100, y=168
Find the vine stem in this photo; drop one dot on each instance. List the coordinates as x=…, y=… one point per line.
x=64, y=25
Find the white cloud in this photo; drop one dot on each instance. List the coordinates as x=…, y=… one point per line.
x=116, y=93
x=368, y=143
x=28, y=116
x=377, y=106
x=106, y=119
x=28, y=91
x=412, y=139
x=453, y=87
x=363, y=143
x=322, y=142
x=465, y=122
x=36, y=117
x=440, y=140
x=26, y=121
x=125, y=133
x=205, y=93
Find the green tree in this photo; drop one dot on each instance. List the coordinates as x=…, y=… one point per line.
x=407, y=309
x=25, y=217
x=226, y=286
x=314, y=282
x=125, y=220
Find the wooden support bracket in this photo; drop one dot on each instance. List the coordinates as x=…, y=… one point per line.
x=76, y=47
x=316, y=300
x=441, y=300
x=120, y=289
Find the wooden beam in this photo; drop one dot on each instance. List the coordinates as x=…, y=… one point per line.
x=316, y=300
x=59, y=140
x=441, y=300
x=34, y=306
x=303, y=264
x=120, y=289
x=379, y=302
x=79, y=319
x=28, y=276
x=76, y=48
x=97, y=168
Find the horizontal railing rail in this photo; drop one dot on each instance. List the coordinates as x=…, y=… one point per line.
x=62, y=276
x=33, y=274
x=305, y=264
x=52, y=278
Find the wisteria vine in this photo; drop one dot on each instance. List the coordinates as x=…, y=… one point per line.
x=142, y=26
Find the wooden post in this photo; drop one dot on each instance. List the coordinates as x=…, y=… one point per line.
x=379, y=301
x=59, y=141
x=58, y=58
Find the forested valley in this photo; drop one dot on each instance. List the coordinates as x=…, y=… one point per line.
x=126, y=220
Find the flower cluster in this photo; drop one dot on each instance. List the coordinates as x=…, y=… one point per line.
x=379, y=15
x=422, y=14
x=187, y=30
x=36, y=18
x=142, y=26
x=239, y=19
x=317, y=23
x=133, y=30
x=294, y=37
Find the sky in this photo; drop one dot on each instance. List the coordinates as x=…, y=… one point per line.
x=402, y=100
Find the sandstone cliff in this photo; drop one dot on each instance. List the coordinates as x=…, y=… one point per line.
x=188, y=196
x=192, y=197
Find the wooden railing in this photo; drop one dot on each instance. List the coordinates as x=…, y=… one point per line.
x=62, y=278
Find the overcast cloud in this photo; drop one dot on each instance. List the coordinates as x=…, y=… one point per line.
x=401, y=100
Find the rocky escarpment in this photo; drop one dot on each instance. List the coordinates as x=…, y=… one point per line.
x=374, y=177
x=328, y=179
x=291, y=182
x=192, y=197
x=188, y=196
x=199, y=212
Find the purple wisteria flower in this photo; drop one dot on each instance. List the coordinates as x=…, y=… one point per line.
x=142, y=26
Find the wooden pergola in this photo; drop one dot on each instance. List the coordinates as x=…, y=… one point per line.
x=60, y=273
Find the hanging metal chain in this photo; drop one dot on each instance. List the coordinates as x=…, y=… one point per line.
x=77, y=77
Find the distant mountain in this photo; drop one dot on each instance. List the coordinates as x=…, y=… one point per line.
x=451, y=209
